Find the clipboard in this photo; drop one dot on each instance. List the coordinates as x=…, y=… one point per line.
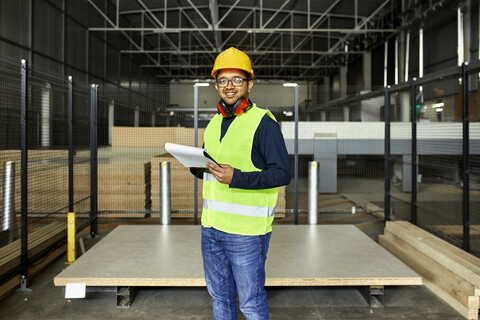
x=190, y=157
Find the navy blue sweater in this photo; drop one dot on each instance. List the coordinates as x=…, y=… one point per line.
x=269, y=154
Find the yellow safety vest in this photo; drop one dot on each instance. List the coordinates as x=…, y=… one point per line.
x=233, y=210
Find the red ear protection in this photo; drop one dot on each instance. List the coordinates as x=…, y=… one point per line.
x=237, y=109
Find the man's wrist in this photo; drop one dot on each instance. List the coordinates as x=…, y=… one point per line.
x=235, y=177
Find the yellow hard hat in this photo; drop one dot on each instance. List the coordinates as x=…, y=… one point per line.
x=232, y=58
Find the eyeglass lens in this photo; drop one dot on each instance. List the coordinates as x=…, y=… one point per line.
x=236, y=82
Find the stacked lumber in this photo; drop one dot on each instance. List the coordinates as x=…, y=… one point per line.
x=448, y=271
x=281, y=201
x=133, y=186
x=81, y=184
x=33, y=155
x=124, y=187
x=153, y=137
x=47, y=179
x=182, y=186
x=39, y=243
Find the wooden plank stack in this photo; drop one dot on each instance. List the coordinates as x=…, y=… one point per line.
x=129, y=187
x=128, y=174
x=124, y=187
x=448, y=271
x=153, y=137
x=47, y=179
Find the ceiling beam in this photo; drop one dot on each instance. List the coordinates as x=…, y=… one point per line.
x=200, y=14
x=264, y=66
x=248, y=30
x=262, y=26
x=236, y=6
x=104, y=16
x=317, y=22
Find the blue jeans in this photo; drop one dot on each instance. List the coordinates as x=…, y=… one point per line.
x=235, y=263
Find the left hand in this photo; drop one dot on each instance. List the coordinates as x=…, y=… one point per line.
x=223, y=173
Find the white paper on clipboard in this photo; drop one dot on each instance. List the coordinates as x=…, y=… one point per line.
x=190, y=157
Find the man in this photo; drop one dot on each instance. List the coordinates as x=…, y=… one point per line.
x=240, y=195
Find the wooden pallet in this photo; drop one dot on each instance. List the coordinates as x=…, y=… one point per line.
x=448, y=271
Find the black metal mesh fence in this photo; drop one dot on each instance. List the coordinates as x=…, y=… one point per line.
x=436, y=198
x=48, y=139
x=10, y=157
x=343, y=133
x=81, y=150
x=474, y=161
x=42, y=217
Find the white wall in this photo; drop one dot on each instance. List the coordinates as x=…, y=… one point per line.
x=181, y=94
x=276, y=95
x=376, y=130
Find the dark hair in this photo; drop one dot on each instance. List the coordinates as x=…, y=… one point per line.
x=247, y=75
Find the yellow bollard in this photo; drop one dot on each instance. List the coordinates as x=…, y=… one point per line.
x=70, y=238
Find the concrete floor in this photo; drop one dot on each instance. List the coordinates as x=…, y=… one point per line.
x=46, y=302
x=403, y=302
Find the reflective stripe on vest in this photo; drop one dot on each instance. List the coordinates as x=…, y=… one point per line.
x=239, y=209
x=209, y=177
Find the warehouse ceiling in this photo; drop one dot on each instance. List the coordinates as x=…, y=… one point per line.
x=290, y=40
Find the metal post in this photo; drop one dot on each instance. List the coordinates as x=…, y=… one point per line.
x=136, y=117
x=111, y=120
x=313, y=192
x=466, y=161
x=195, y=121
x=296, y=154
x=9, y=221
x=195, y=182
x=387, y=155
x=93, y=163
x=70, y=145
x=46, y=116
x=407, y=55
x=165, y=209
x=385, y=65
x=24, y=176
x=414, y=150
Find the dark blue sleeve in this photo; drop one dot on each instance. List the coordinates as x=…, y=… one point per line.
x=270, y=155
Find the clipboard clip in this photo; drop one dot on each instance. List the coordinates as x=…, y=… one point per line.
x=205, y=153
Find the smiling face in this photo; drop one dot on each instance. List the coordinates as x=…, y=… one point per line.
x=231, y=94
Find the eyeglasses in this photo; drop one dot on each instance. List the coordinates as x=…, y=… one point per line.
x=236, y=82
